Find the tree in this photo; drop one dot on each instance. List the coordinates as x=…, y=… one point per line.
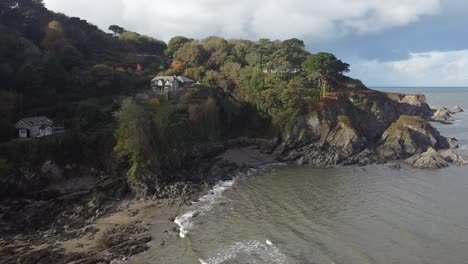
x=54, y=75
x=294, y=42
x=325, y=69
x=55, y=39
x=143, y=43
x=138, y=142
x=71, y=57
x=192, y=54
x=212, y=44
x=102, y=78
x=176, y=43
x=116, y=29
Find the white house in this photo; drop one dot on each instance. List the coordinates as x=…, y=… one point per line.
x=170, y=86
x=33, y=127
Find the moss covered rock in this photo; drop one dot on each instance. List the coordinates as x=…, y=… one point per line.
x=408, y=136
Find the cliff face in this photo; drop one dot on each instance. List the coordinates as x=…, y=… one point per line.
x=349, y=127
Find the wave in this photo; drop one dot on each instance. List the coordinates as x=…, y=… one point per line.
x=206, y=202
x=251, y=251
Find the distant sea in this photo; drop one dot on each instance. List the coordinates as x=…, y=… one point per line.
x=437, y=96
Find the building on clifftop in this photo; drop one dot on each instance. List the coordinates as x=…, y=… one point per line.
x=33, y=127
x=170, y=87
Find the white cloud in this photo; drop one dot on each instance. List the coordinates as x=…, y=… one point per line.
x=311, y=19
x=435, y=68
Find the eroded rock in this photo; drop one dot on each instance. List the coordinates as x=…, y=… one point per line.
x=408, y=136
x=431, y=159
x=451, y=156
x=456, y=109
x=443, y=115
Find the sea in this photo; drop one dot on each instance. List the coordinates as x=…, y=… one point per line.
x=374, y=214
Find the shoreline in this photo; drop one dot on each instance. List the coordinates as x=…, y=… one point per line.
x=90, y=219
x=117, y=230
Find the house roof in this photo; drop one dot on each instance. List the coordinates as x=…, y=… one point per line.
x=185, y=79
x=164, y=78
x=36, y=121
x=181, y=78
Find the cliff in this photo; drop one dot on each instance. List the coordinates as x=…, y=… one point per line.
x=363, y=126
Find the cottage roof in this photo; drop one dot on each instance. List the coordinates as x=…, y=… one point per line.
x=36, y=121
x=185, y=79
x=164, y=78
x=181, y=78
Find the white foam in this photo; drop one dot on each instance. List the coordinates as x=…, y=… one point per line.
x=206, y=202
x=251, y=249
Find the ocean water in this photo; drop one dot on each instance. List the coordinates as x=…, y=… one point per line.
x=372, y=214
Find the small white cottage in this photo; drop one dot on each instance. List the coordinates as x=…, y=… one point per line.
x=33, y=127
x=170, y=87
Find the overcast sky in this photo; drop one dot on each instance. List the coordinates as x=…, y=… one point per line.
x=387, y=42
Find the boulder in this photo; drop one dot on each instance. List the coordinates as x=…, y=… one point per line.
x=456, y=109
x=443, y=115
x=431, y=159
x=451, y=156
x=408, y=136
x=452, y=143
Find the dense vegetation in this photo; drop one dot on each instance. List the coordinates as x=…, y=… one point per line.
x=59, y=66
x=73, y=72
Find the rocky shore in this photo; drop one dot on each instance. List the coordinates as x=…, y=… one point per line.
x=94, y=219
x=364, y=127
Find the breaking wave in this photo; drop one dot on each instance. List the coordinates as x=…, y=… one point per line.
x=250, y=251
x=205, y=203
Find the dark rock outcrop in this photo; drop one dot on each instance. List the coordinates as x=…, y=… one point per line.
x=363, y=127
x=408, y=136
x=412, y=104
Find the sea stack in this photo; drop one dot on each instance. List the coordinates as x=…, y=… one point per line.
x=457, y=109
x=443, y=115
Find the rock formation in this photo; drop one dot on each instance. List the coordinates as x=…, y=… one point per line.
x=443, y=115
x=408, y=136
x=431, y=159
x=362, y=127
x=456, y=109
x=452, y=157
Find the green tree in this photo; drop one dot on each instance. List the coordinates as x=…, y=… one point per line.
x=138, y=143
x=213, y=44
x=143, y=43
x=294, y=42
x=191, y=53
x=54, y=75
x=116, y=29
x=325, y=69
x=176, y=43
x=71, y=57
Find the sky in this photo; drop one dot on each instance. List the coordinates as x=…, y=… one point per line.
x=387, y=42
